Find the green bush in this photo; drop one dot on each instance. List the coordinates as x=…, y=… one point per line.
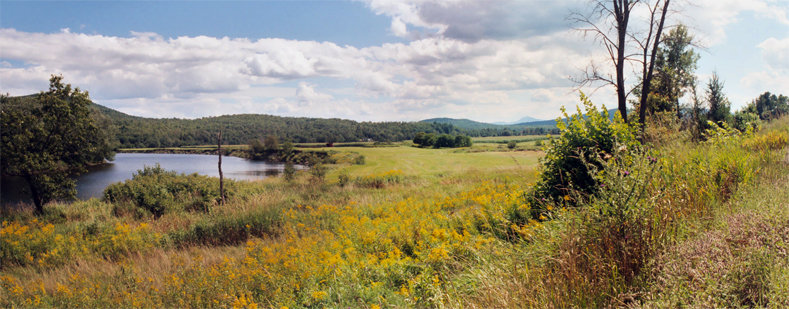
x=158, y=191
x=745, y=121
x=512, y=144
x=583, y=139
x=425, y=140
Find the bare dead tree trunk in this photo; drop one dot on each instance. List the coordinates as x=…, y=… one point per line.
x=616, y=46
x=622, y=14
x=649, y=66
x=221, y=176
x=619, y=13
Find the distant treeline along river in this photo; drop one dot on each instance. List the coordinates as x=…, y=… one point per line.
x=92, y=183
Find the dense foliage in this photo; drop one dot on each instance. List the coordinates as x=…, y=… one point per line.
x=49, y=137
x=441, y=141
x=156, y=191
x=769, y=106
x=584, y=142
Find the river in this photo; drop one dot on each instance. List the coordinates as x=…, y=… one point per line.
x=92, y=183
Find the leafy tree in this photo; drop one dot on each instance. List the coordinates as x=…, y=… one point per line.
x=421, y=139
x=676, y=62
x=444, y=140
x=271, y=143
x=49, y=139
x=769, y=106
x=719, y=105
x=462, y=141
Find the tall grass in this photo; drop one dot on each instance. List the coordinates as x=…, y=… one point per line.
x=437, y=239
x=606, y=253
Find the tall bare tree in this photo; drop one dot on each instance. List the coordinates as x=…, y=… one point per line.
x=608, y=22
x=649, y=66
x=219, y=164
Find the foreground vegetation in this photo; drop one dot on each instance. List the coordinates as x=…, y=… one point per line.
x=691, y=224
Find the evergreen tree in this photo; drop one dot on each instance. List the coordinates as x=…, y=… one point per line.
x=719, y=105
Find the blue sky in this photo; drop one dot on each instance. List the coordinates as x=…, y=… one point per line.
x=368, y=60
x=342, y=22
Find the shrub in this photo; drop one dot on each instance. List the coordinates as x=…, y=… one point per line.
x=343, y=179
x=289, y=173
x=159, y=191
x=583, y=138
x=318, y=172
x=745, y=121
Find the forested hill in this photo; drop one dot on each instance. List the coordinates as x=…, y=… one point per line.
x=135, y=132
x=241, y=129
x=464, y=123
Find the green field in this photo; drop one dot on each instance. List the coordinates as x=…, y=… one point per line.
x=408, y=159
x=505, y=139
x=431, y=162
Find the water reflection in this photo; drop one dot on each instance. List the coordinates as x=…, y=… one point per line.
x=92, y=184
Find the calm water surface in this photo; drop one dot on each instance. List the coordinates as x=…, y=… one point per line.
x=92, y=184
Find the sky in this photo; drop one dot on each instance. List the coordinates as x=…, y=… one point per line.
x=366, y=60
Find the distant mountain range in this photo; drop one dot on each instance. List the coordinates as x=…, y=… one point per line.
x=525, y=119
x=476, y=125
x=523, y=123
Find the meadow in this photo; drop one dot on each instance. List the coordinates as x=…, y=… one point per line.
x=703, y=224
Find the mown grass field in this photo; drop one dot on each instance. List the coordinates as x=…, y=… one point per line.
x=423, y=228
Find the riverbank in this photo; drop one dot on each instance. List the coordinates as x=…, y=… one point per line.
x=240, y=151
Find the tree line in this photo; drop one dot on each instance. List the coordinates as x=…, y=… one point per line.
x=139, y=132
x=425, y=140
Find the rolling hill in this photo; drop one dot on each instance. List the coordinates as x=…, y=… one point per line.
x=141, y=132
